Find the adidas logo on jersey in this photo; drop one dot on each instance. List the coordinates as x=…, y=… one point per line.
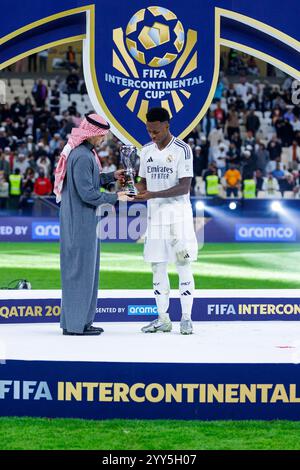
x=150, y=160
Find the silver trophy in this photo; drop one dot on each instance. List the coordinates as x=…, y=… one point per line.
x=128, y=155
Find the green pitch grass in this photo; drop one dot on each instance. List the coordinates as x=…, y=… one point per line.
x=219, y=266
x=71, y=434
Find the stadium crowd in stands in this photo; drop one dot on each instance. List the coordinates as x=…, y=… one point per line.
x=247, y=145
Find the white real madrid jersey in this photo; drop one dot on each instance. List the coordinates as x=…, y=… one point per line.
x=162, y=170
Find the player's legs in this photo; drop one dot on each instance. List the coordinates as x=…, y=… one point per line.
x=186, y=289
x=183, y=249
x=161, y=287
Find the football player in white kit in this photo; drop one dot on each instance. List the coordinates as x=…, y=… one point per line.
x=166, y=171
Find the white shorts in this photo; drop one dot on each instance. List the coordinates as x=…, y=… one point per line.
x=163, y=242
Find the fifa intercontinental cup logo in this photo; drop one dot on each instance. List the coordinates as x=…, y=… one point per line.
x=153, y=39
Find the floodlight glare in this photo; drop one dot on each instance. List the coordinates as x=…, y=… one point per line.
x=200, y=206
x=276, y=206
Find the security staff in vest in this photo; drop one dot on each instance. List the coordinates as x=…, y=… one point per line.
x=212, y=181
x=249, y=188
x=15, y=185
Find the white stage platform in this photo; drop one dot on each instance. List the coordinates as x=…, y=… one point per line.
x=212, y=342
x=242, y=362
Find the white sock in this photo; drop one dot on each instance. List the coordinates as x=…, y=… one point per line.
x=161, y=287
x=186, y=288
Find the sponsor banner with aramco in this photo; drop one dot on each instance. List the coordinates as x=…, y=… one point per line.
x=121, y=309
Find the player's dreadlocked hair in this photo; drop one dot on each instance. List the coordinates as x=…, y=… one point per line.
x=158, y=114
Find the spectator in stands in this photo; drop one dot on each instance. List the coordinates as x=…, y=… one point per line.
x=22, y=148
x=42, y=185
x=68, y=125
x=28, y=181
x=242, y=88
x=204, y=144
x=252, y=66
x=28, y=106
x=32, y=63
x=52, y=123
x=288, y=183
x=4, y=165
x=200, y=160
x=21, y=162
x=4, y=191
x=55, y=99
x=294, y=155
x=44, y=165
x=32, y=163
x=71, y=59
x=9, y=157
x=72, y=82
x=4, y=142
x=231, y=94
x=248, y=164
x=219, y=114
x=17, y=110
x=249, y=188
x=72, y=109
x=41, y=150
x=274, y=147
x=216, y=136
x=82, y=88
x=262, y=157
x=252, y=122
x=270, y=185
x=208, y=123
x=233, y=154
x=275, y=116
x=233, y=62
x=40, y=93
x=289, y=115
x=259, y=180
x=210, y=176
x=273, y=164
x=249, y=139
x=220, y=157
x=279, y=174
x=43, y=60
x=30, y=145
x=285, y=132
x=15, y=189
x=55, y=143
x=232, y=122
x=233, y=180
x=296, y=124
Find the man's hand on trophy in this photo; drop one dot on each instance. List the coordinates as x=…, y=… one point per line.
x=120, y=176
x=123, y=196
x=143, y=196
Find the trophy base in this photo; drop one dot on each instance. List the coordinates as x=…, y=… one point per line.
x=130, y=192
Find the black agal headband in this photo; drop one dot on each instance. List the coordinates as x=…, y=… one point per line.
x=96, y=123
